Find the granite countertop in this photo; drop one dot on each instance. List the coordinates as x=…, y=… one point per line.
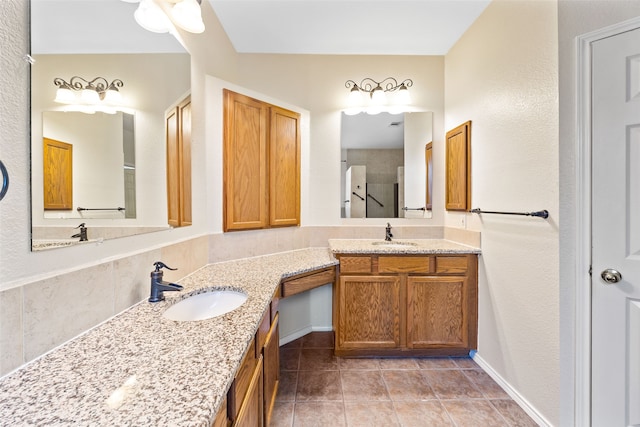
x=140, y=369
x=399, y=246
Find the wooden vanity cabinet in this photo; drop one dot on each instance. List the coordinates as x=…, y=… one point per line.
x=406, y=305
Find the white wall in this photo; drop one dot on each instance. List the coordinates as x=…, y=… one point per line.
x=503, y=76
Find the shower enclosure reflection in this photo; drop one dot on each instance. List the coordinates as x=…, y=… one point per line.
x=383, y=165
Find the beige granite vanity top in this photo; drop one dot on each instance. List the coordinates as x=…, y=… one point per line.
x=399, y=246
x=140, y=369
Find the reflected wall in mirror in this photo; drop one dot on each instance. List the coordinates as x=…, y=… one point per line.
x=384, y=172
x=155, y=70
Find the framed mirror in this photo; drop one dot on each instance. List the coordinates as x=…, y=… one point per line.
x=116, y=170
x=384, y=168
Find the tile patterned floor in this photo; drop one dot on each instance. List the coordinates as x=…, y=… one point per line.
x=319, y=389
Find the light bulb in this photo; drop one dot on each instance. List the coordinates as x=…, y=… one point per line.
x=150, y=17
x=89, y=96
x=65, y=96
x=188, y=15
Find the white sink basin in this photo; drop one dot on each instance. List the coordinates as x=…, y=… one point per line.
x=205, y=305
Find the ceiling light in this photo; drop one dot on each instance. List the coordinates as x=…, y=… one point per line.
x=159, y=16
x=378, y=101
x=188, y=16
x=150, y=17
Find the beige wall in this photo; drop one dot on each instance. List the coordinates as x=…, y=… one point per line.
x=503, y=76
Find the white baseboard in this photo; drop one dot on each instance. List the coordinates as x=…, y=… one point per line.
x=302, y=332
x=517, y=397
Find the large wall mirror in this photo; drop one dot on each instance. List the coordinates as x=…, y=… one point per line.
x=384, y=168
x=103, y=169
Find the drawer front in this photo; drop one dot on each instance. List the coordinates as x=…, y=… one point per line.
x=355, y=264
x=305, y=283
x=404, y=264
x=241, y=383
x=451, y=265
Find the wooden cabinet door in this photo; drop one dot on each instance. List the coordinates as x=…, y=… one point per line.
x=271, y=354
x=369, y=312
x=284, y=167
x=250, y=414
x=458, y=168
x=428, y=160
x=58, y=174
x=437, y=312
x=245, y=162
x=178, y=140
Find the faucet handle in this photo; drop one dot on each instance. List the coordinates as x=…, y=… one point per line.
x=81, y=225
x=160, y=264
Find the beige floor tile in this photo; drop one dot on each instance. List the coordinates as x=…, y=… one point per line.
x=473, y=413
x=288, y=386
x=371, y=414
x=318, y=340
x=319, y=386
x=348, y=363
x=289, y=359
x=422, y=413
x=282, y=415
x=514, y=414
x=314, y=359
x=319, y=414
x=436, y=363
x=398, y=363
x=451, y=384
x=485, y=384
x=363, y=385
x=465, y=363
x=407, y=385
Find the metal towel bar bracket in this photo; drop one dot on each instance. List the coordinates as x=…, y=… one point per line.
x=541, y=214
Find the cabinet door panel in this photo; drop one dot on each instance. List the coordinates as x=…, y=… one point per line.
x=245, y=162
x=271, y=370
x=370, y=315
x=436, y=312
x=284, y=158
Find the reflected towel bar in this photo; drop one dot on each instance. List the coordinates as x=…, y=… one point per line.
x=414, y=209
x=542, y=214
x=79, y=209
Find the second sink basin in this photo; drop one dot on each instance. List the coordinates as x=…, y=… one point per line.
x=205, y=305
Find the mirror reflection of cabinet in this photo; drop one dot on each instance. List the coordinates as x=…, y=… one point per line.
x=58, y=174
x=178, y=128
x=458, y=164
x=428, y=160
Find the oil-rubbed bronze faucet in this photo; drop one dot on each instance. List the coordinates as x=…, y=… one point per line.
x=82, y=234
x=388, y=234
x=158, y=286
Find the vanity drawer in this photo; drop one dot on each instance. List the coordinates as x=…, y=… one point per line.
x=404, y=264
x=451, y=264
x=240, y=384
x=355, y=264
x=304, y=283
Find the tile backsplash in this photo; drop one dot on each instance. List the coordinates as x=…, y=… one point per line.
x=43, y=314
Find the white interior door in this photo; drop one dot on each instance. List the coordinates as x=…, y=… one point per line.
x=615, y=386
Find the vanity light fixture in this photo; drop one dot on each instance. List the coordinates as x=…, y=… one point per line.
x=373, y=97
x=89, y=96
x=159, y=16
